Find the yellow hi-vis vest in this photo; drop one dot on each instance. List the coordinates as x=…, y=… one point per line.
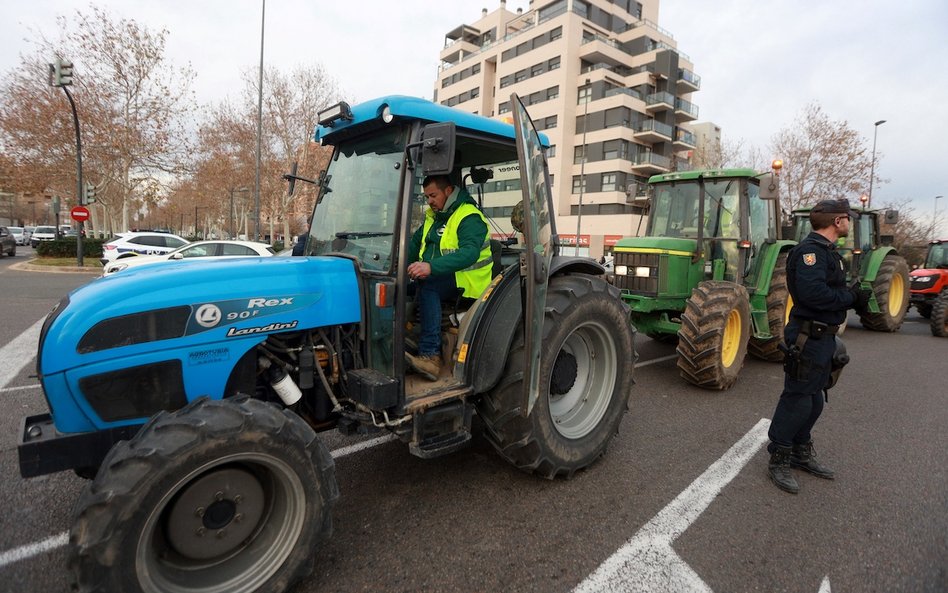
x=474, y=279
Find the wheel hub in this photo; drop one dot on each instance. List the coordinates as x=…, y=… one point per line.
x=215, y=514
x=564, y=373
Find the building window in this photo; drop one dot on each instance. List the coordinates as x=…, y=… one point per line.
x=551, y=122
x=552, y=93
x=520, y=76
x=475, y=92
x=505, y=81
x=551, y=151
x=579, y=184
x=475, y=68
x=579, y=154
x=503, y=107
x=608, y=182
x=553, y=64
x=584, y=95
x=556, y=33
x=536, y=70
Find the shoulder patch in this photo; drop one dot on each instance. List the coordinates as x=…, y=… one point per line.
x=809, y=258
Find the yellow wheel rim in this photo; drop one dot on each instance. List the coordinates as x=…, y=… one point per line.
x=731, y=341
x=896, y=294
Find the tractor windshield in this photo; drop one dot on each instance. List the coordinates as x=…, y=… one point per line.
x=358, y=200
x=937, y=256
x=675, y=209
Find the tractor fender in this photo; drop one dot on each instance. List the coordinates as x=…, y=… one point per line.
x=870, y=269
x=498, y=320
x=768, y=261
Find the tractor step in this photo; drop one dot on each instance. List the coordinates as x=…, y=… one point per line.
x=441, y=430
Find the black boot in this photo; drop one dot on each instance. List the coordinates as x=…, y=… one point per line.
x=804, y=458
x=779, y=468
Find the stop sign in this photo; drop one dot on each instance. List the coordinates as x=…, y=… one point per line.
x=79, y=213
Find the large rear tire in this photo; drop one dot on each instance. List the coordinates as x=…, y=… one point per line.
x=778, y=300
x=586, y=362
x=891, y=288
x=231, y=495
x=712, y=341
x=939, y=317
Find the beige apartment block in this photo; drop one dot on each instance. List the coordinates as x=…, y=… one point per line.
x=603, y=81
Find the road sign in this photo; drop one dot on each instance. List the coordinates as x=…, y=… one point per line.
x=79, y=213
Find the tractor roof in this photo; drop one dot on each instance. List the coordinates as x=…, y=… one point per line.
x=368, y=115
x=710, y=173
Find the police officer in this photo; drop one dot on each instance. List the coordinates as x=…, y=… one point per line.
x=817, y=281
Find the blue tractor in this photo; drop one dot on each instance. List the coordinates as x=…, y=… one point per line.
x=192, y=392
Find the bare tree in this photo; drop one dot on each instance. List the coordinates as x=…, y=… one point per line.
x=133, y=107
x=822, y=159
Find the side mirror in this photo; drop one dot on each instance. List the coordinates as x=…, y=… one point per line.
x=177, y=256
x=437, y=152
x=769, y=187
x=891, y=216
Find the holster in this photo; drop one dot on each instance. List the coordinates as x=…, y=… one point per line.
x=840, y=359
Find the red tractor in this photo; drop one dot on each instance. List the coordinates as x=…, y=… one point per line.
x=931, y=279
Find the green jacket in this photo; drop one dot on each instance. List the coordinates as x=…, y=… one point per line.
x=471, y=233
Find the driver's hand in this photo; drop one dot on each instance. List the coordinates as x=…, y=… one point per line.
x=419, y=270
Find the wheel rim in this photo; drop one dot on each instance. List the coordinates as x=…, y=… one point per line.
x=227, y=526
x=577, y=406
x=731, y=340
x=896, y=294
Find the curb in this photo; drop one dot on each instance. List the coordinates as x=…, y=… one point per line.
x=28, y=267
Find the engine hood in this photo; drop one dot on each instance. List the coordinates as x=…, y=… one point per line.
x=667, y=245
x=927, y=272
x=180, y=305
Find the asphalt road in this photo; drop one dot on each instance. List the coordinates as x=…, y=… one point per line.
x=650, y=516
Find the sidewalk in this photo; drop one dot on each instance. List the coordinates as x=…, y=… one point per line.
x=29, y=267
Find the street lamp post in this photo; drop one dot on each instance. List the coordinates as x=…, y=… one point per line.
x=582, y=168
x=935, y=216
x=872, y=167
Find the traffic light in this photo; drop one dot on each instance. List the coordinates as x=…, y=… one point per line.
x=88, y=196
x=60, y=73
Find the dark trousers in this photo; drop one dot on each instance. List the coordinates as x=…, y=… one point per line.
x=801, y=402
x=428, y=295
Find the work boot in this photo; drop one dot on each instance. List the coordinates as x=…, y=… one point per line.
x=779, y=469
x=804, y=458
x=427, y=365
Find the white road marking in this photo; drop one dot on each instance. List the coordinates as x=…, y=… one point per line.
x=30, y=550
x=19, y=352
x=21, y=388
x=825, y=585
x=654, y=360
x=647, y=563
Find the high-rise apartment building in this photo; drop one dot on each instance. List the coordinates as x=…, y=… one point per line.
x=603, y=81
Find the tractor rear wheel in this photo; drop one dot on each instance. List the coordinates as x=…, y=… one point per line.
x=939, y=317
x=891, y=288
x=712, y=341
x=778, y=309
x=230, y=495
x=586, y=361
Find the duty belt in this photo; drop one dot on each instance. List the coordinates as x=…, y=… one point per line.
x=810, y=328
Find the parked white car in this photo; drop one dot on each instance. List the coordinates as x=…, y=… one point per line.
x=18, y=234
x=42, y=233
x=196, y=250
x=133, y=244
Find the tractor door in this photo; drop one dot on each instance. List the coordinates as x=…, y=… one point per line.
x=538, y=238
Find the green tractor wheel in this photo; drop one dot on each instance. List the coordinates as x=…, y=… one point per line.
x=778, y=313
x=712, y=341
x=939, y=317
x=891, y=288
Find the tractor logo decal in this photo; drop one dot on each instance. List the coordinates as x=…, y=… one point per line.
x=207, y=316
x=809, y=258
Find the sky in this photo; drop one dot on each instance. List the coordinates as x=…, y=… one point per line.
x=760, y=61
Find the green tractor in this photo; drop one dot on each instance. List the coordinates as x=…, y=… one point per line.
x=869, y=257
x=710, y=272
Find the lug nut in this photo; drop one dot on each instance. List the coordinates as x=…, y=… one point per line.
x=221, y=534
x=219, y=496
x=200, y=532
x=199, y=512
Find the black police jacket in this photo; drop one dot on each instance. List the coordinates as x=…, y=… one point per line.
x=816, y=278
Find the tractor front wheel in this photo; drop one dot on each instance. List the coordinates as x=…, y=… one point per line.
x=939, y=316
x=712, y=341
x=891, y=288
x=586, y=361
x=230, y=495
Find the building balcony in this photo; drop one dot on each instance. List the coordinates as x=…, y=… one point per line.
x=688, y=81
x=649, y=130
x=659, y=102
x=601, y=50
x=685, y=111
x=456, y=51
x=684, y=140
x=649, y=163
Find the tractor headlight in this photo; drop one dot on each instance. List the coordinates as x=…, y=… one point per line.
x=642, y=271
x=622, y=270
x=923, y=278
